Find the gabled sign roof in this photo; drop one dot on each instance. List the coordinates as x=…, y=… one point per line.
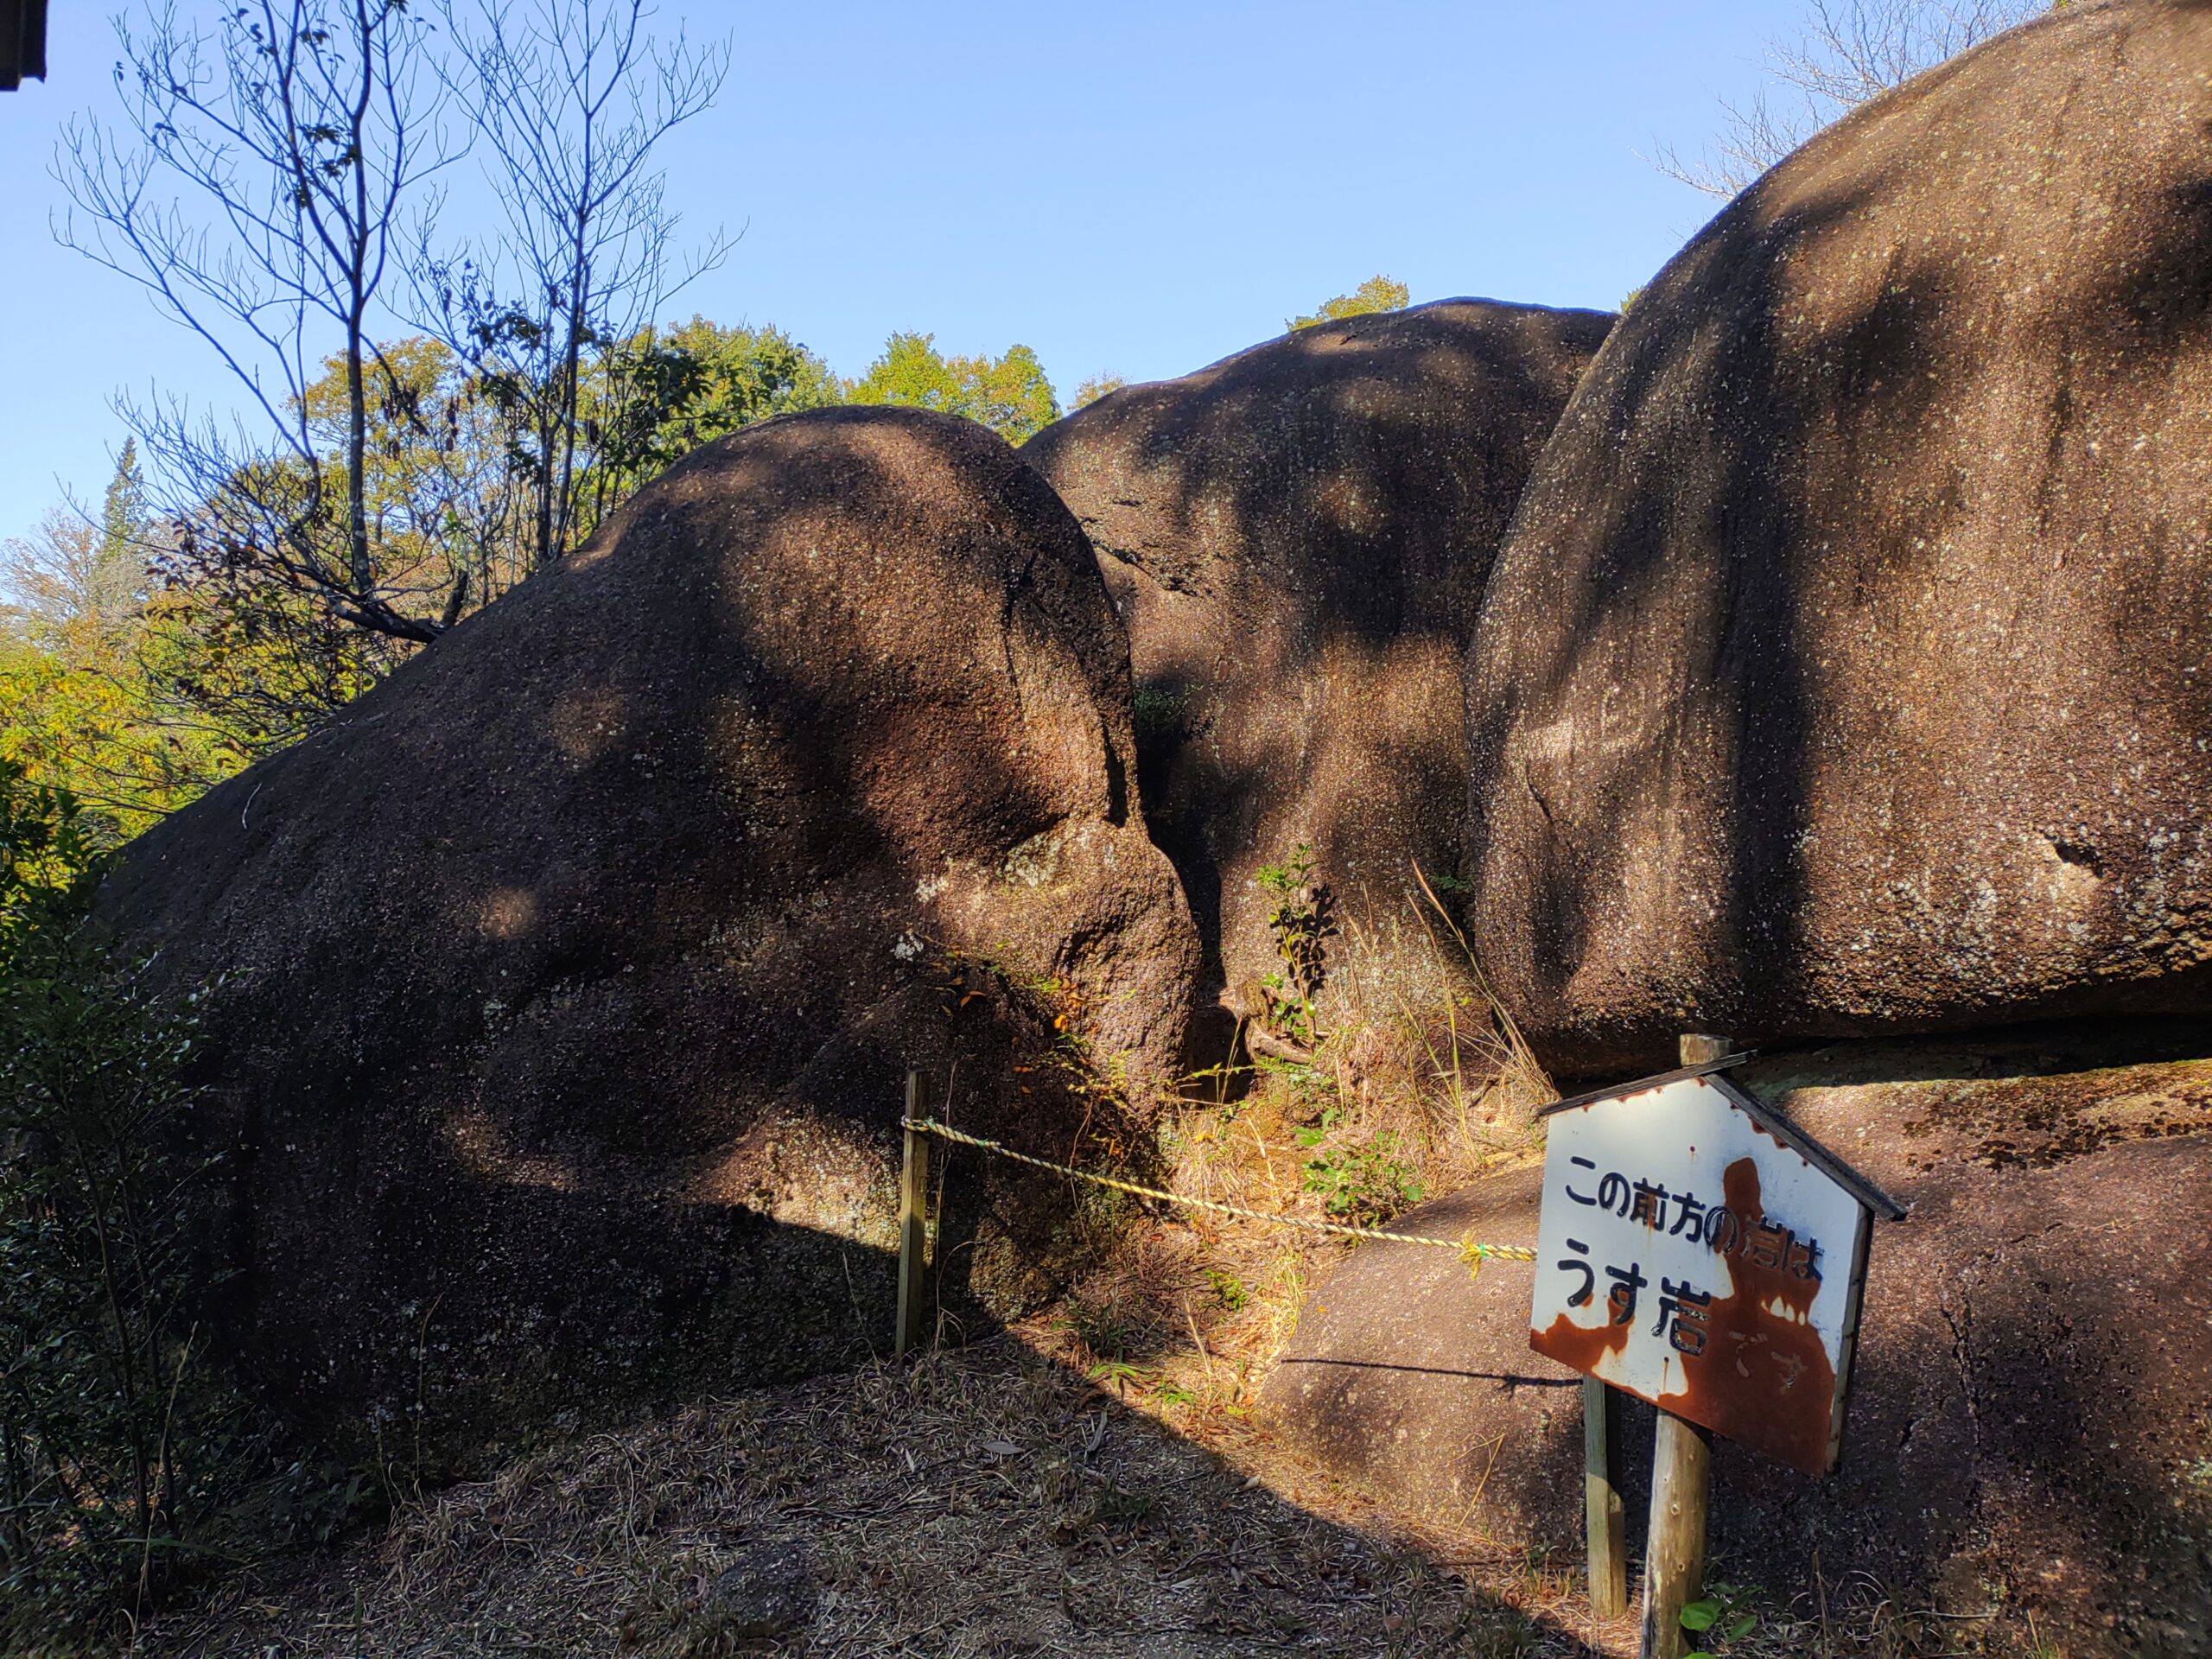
x=1765, y=1116
x=22, y=43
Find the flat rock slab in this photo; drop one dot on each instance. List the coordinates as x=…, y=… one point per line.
x=2029, y=1408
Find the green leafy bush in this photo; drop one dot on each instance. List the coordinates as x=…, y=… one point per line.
x=1301, y=924
x=1362, y=1185
x=1375, y=293
x=1721, y=1616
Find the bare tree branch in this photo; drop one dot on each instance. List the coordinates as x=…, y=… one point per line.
x=571, y=99
x=252, y=188
x=1845, y=52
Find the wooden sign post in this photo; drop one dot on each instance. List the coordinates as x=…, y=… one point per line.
x=1681, y=1487
x=1701, y=1252
x=1605, y=1516
x=913, y=1219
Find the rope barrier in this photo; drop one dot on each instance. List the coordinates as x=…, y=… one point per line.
x=1472, y=1254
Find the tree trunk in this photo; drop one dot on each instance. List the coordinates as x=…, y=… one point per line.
x=358, y=570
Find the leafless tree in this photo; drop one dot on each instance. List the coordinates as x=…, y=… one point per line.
x=76, y=568
x=570, y=98
x=1846, y=51
x=255, y=186
x=53, y=576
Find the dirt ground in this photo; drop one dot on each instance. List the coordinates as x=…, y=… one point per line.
x=1092, y=1481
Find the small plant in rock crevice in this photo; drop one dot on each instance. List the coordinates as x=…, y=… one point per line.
x=1301, y=924
x=1159, y=712
x=1060, y=1013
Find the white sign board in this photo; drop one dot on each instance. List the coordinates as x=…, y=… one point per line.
x=1696, y=1252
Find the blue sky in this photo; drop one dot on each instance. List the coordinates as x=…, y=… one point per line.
x=1129, y=187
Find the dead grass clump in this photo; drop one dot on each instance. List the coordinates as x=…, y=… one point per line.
x=1417, y=1085
x=985, y=1502
x=1410, y=1080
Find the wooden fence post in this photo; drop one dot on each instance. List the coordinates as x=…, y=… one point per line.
x=1605, y=1516
x=1681, y=1486
x=914, y=1218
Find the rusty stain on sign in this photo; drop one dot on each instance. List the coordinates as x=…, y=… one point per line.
x=1698, y=1252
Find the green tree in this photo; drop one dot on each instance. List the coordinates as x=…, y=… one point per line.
x=96, y=710
x=1009, y=394
x=119, y=578
x=748, y=374
x=1094, y=388
x=1375, y=293
x=442, y=487
x=655, y=399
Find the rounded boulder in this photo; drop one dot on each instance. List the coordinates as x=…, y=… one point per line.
x=1845, y=669
x=2024, y=1436
x=1298, y=537
x=560, y=993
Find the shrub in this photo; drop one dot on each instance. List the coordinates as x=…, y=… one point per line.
x=1362, y=1183
x=1300, y=923
x=108, y=1425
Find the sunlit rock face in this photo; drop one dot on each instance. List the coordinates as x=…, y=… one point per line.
x=1298, y=537
x=1847, y=668
x=571, y=976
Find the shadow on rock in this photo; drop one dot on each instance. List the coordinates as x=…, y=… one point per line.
x=561, y=991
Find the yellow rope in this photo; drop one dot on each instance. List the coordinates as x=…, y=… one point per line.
x=1472, y=1254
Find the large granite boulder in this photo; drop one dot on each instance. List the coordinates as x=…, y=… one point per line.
x=562, y=989
x=2028, y=1425
x=1298, y=538
x=1845, y=670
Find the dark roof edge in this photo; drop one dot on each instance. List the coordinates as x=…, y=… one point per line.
x=1814, y=1153
x=1642, y=1083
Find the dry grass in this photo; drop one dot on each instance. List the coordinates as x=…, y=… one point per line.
x=986, y=1501
x=1415, y=1051
x=1420, y=1086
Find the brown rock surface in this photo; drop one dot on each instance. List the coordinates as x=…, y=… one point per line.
x=1298, y=537
x=1845, y=670
x=2030, y=1415
x=573, y=972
